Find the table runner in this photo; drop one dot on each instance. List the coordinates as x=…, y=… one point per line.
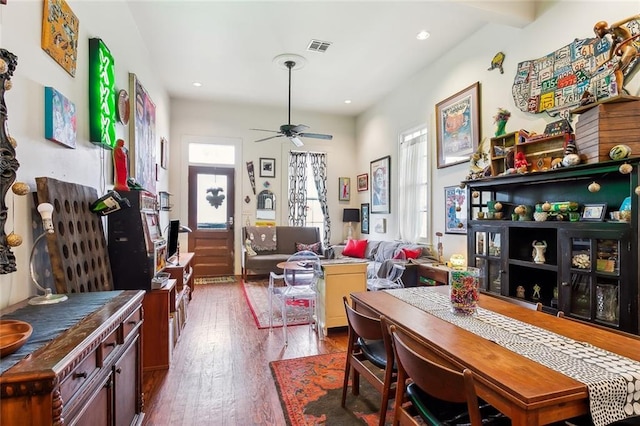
x=49, y=321
x=613, y=381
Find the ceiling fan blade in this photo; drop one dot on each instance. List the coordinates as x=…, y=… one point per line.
x=299, y=128
x=270, y=137
x=316, y=136
x=265, y=130
x=296, y=141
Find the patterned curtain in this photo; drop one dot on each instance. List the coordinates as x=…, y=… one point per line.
x=297, y=188
x=319, y=167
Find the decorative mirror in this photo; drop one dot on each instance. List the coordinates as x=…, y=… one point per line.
x=266, y=208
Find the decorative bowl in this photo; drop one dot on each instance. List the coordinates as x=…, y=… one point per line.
x=13, y=334
x=540, y=216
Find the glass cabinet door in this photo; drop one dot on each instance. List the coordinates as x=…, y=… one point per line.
x=591, y=281
x=486, y=254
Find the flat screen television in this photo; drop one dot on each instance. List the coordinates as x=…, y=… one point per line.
x=172, y=239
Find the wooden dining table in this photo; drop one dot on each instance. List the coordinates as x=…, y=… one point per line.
x=524, y=390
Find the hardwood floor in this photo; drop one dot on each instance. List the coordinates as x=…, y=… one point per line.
x=220, y=372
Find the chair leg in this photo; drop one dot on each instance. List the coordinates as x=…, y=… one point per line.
x=386, y=393
x=284, y=320
x=345, y=384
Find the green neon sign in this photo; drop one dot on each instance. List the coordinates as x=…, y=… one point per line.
x=102, y=95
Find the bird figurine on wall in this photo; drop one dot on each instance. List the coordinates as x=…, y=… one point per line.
x=496, y=62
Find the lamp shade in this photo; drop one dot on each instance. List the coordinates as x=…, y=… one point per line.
x=351, y=215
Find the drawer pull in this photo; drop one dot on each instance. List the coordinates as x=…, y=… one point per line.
x=110, y=344
x=82, y=375
x=118, y=370
x=132, y=322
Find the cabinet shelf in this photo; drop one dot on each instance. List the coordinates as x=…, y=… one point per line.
x=605, y=292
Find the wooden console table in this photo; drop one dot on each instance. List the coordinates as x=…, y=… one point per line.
x=80, y=366
x=182, y=272
x=340, y=279
x=431, y=274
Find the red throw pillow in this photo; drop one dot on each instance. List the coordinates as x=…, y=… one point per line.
x=412, y=254
x=355, y=248
x=315, y=247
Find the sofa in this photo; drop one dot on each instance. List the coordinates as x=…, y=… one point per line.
x=377, y=252
x=274, y=244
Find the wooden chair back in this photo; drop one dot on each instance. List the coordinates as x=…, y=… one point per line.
x=431, y=377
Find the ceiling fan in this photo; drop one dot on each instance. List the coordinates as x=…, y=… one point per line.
x=292, y=131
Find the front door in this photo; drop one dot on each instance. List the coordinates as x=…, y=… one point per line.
x=211, y=195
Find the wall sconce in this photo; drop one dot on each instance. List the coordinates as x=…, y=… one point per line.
x=350, y=216
x=46, y=211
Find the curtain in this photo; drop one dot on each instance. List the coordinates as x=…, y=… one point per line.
x=409, y=179
x=297, y=188
x=319, y=167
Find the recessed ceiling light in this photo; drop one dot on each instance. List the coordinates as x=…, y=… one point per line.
x=197, y=84
x=423, y=35
x=347, y=101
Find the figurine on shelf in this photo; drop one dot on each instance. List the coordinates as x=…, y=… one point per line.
x=536, y=292
x=501, y=119
x=520, y=292
x=521, y=163
x=120, y=164
x=539, y=248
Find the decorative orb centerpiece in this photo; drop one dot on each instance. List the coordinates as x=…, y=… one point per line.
x=594, y=187
x=619, y=152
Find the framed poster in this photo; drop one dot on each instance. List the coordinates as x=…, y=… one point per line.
x=60, y=120
x=344, y=186
x=142, y=137
x=60, y=34
x=364, y=218
x=594, y=212
x=380, y=195
x=455, y=202
x=268, y=167
x=363, y=182
x=458, y=126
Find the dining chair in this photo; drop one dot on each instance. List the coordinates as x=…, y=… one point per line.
x=436, y=393
x=370, y=355
x=389, y=276
x=300, y=276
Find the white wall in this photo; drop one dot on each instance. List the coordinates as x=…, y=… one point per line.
x=20, y=33
x=414, y=101
x=210, y=121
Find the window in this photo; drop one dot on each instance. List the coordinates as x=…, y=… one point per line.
x=206, y=153
x=314, y=210
x=413, y=173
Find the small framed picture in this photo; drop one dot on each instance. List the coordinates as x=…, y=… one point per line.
x=268, y=167
x=363, y=182
x=364, y=218
x=594, y=212
x=344, y=186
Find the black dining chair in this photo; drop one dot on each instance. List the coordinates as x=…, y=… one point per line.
x=436, y=393
x=370, y=355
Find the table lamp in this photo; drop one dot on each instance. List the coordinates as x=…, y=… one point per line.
x=350, y=216
x=46, y=211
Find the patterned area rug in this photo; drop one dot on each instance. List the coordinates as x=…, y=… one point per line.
x=214, y=280
x=310, y=390
x=257, y=294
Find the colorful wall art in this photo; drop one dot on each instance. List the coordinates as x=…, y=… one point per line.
x=143, y=135
x=60, y=119
x=60, y=34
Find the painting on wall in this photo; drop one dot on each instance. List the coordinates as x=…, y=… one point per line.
x=458, y=126
x=364, y=218
x=363, y=182
x=455, y=202
x=142, y=134
x=60, y=119
x=344, y=186
x=380, y=195
x=60, y=34
x=268, y=167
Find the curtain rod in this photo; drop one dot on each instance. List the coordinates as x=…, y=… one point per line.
x=307, y=152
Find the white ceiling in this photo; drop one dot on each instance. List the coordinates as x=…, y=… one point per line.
x=229, y=46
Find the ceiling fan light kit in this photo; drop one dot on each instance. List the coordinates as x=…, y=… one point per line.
x=292, y=131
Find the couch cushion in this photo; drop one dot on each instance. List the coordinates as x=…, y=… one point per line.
x=355, y=248
x=386, y=250
x=315, y=247
x=372, y=247
x=288, y=236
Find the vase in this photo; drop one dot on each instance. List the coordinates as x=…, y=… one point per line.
x=464, y=290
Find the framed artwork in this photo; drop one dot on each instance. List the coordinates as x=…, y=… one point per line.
x=142, y=132
x=60, y=120
x=458, y=126
x=164, y=153
x=455, y=202
x=268, y=167
x=60, y=34
x=594, y=212
x=344, y=186
x=380, y=195
x=363, y=182
x=381, y=226
x=364, y=218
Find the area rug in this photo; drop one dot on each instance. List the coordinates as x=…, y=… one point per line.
x=257, y=295
x=214, y=280
x=310, y=390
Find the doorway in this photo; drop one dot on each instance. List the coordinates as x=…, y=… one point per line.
x=211, y=212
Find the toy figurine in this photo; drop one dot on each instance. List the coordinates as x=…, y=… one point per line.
x=539, y=249
x=536, y=292
x=520, y=292
x=521, y=163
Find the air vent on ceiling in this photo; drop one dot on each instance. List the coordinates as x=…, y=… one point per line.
x=318, y=46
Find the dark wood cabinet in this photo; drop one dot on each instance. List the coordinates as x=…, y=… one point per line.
x=88, y=374
x=590, y=267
